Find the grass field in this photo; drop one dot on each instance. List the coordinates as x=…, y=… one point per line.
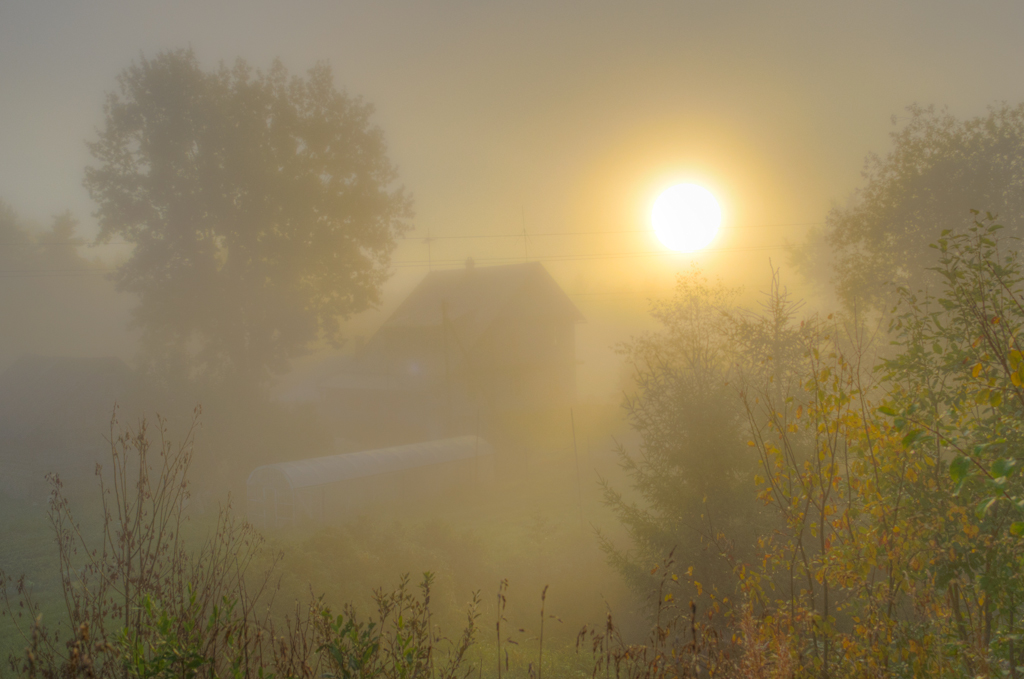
x=533, y=527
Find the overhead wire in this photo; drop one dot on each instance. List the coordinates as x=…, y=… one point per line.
x=533, y=234
x=430, y=261
x=423, y=262
x=585, y=257
x=519, y=234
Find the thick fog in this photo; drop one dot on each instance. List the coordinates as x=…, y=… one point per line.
x=481, y=382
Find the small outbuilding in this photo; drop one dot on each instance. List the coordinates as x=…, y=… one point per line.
x=336, y=487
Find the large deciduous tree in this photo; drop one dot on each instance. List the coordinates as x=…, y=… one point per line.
x=262, y=208
x=939, y=169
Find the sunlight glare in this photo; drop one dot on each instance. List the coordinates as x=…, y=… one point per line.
x=686, y=217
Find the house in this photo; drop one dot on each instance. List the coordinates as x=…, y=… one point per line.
x=337, y=487
x=464, y=342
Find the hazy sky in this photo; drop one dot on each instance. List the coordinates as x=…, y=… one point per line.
x=556, y=116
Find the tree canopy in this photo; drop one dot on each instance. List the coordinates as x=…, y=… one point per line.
x=938, y=170
x=262, y=208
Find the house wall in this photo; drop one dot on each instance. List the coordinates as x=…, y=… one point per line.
x=528, y=362
x=383, y=417
x=458, y=357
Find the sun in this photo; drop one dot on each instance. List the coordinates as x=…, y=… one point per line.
x=686, y=217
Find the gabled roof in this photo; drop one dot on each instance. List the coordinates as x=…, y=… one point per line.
x=320, y=471
x=473, y=297
x=59, y=391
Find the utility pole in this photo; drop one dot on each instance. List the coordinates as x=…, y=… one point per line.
x=575, y=454
x=447, y=370
x=526, y=240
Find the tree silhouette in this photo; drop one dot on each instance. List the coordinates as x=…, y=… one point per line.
x=261, y=207
x=939, y=169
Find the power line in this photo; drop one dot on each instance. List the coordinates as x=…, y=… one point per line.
x=570, y=258
x=533, y=234
x=84, y=272
x=44, y=273
x=412, y=263
x=596, y=233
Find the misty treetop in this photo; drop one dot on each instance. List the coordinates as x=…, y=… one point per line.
x=50, y=294
x=24, y=250
x=262, y=207
x=939, y=169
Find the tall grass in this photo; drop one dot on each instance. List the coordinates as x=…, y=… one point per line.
x=140, y=599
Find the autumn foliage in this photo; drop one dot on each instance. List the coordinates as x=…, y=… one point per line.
x=898, y=547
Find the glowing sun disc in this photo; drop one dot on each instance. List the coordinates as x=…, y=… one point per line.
x=686, y=217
